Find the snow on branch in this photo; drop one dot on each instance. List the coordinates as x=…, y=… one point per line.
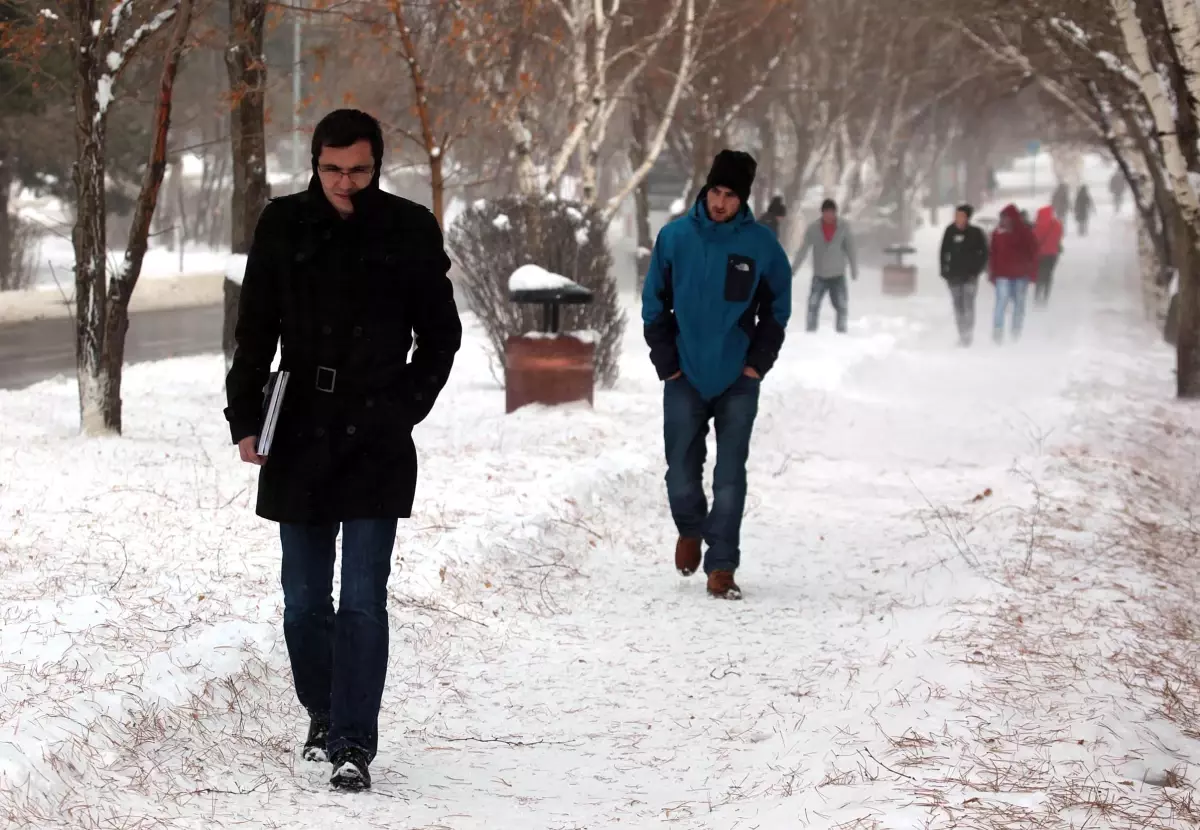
x=116, y=59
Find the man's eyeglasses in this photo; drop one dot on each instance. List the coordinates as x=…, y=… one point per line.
x=353, y=173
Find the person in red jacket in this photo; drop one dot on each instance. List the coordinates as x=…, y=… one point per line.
x=1012, y=265
x=1049, y=232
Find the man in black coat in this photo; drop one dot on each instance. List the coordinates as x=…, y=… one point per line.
x=964, y=257
x=344, y=276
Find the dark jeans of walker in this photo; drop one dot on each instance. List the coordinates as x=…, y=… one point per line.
x=685, y=427
x=339, y=660
x=963, y=295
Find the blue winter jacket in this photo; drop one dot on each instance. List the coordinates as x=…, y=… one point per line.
x=717, y=299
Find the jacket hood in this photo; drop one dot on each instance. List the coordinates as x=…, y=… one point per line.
x=1012, y=213
x=1045, y=214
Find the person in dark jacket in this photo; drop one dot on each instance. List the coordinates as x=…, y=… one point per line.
x=1012, y=265
x=1116, y=188
x=715, y=306
x=344, y=277
x=1083, y=209
x=1061, y=200
x=964, y=257
x=776, y=211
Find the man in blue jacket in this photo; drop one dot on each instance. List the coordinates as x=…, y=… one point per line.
x=715, y=306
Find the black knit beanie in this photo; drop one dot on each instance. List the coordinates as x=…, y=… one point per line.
x=735, y=170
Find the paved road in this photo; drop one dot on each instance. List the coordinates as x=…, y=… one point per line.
x=34, y=351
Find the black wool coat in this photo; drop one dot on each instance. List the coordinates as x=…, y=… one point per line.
x=346, y=295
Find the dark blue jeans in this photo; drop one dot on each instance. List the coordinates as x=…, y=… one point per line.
x=685, y=427
x=339, y=661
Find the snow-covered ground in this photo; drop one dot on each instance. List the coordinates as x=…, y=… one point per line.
x=944, y=624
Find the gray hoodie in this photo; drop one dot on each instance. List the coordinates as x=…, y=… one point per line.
x=829, y=258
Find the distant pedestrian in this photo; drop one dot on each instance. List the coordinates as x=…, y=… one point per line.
x=832, y=243
x=1083, y=209
x=964, y=256
x=1049, y=232
x=773, y=219
x=1061, y=201
x=1116, y=188
x=1012, y=265
x=715, y=308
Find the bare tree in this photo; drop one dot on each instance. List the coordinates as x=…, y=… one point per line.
x=103, y=43
x=247, y=70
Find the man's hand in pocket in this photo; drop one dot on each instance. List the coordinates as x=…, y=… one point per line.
x=751, y=373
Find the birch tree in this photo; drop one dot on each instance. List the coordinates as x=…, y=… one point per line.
x=103, y=43
x=1164, y=112
x=603, y=69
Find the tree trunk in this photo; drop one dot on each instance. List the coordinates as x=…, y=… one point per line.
x=97, y=402
x=122, y=283
x=770, y=143
x=639, y=130
x=247, y=83
x=522, y=139
x=1187, y=347
x=437, y=186
x=10, y=271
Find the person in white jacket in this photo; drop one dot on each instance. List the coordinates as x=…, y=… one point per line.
x=832, y=243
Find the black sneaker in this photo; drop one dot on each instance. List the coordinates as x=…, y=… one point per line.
x=350, y=770
x=318, y=736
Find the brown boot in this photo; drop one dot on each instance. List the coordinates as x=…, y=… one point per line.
x=687, y=556
x=722, y=586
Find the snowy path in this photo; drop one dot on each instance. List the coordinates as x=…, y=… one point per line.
x=550, y=670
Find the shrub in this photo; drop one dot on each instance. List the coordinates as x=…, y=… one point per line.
x=493, y=239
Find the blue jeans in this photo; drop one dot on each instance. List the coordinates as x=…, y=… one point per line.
x=685, y=427
x=1014, y=291
x=339, y=661
x=835, y=287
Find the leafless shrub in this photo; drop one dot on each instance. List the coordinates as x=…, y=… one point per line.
x=491, y=240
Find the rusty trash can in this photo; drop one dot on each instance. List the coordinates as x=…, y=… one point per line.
x=899, y=280
x=549, y=367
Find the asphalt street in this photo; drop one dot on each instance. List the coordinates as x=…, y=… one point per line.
x=35, y=351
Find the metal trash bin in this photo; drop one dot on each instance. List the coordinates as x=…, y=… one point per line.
x=899, y=280
x=549, y=367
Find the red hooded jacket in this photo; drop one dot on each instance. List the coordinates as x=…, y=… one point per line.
x=1014, y=249
x=1049, y=232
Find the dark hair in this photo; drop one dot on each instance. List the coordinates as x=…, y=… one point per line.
x=828, y=204
x=967, y=209
x=342, y=128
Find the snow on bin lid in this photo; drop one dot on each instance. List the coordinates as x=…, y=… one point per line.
x=536, y=278
x=534, y=284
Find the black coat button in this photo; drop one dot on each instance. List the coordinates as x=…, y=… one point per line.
x=326, y=329
x=350, y=430
x=358, y=331
x=320, y=432
x=370, y=402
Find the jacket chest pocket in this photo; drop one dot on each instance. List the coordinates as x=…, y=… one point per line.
x=739, y=278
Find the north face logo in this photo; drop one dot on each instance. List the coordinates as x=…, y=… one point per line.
x=741, y=266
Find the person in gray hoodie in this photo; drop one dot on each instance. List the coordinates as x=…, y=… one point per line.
x=832, y=244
